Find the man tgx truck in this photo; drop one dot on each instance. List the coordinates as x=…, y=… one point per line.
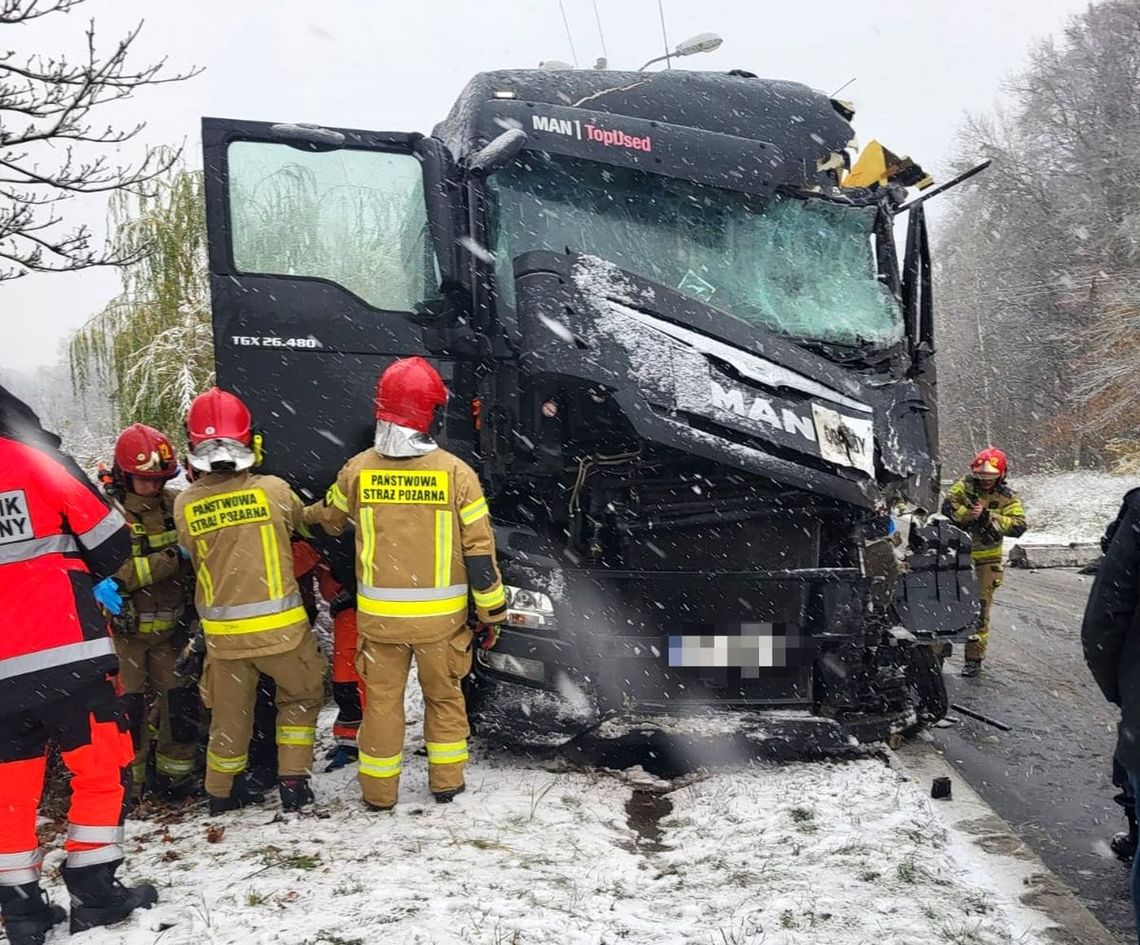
x=689, y=362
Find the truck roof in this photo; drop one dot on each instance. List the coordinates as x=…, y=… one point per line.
x=789, y=115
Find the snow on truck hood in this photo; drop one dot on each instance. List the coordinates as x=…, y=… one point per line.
x=681, y=365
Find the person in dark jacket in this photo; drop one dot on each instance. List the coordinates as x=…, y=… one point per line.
x=1110, y=635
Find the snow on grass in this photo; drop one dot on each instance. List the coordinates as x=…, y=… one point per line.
x=810, y=853
x=1070, y=507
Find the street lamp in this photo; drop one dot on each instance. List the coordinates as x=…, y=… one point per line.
x=702, y=42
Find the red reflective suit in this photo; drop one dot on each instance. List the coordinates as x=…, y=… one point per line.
x=57, y=538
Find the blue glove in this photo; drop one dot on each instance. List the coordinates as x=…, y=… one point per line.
x=108, y=595
x=183, y=553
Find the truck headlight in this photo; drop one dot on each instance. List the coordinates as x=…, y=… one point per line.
x=528, y=608
x=532, y=670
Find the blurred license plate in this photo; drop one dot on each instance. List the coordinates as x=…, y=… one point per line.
x=754, y=646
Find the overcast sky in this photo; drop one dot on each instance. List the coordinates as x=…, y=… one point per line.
x=396, y=65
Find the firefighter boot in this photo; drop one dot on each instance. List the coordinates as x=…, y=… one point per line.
x=1124, y=844
x=975, y=653
x=173, y=790
x=341, y=756
x=241, y=795
x=295, y=792
x=27, y=914
x=446, y=797
x=98, y=898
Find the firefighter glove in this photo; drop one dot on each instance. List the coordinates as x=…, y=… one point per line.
x=487, y=634
x=190, y=660
x=109, y=596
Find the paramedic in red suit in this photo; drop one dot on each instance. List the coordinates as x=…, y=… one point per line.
x=59, y=541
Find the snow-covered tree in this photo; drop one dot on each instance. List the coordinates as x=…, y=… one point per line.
x=51, y=147
x=1039, y=288
x=152, y=346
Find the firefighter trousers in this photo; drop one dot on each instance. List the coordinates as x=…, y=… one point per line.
x=146, y=670
x=441, y=666
x=229, y=689
x=89, y=729
x=990, y=574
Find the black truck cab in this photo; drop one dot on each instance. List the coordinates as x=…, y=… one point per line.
x=688, y=363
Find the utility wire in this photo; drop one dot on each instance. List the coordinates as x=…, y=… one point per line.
x=601, y=32
x=664, y=35
x=569, y=35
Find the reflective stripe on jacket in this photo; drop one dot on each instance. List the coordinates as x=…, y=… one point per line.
x=156, y=576
x=424, y=545
x=237, y=527
x=57, y=535
x=1003, y=516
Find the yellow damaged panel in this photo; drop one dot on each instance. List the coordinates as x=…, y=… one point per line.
x=226, y=510
x=404, y=487
x=880, y=165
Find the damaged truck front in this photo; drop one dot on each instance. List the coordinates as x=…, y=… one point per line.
x=694, y=374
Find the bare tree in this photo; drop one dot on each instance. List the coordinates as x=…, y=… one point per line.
x=51, y=148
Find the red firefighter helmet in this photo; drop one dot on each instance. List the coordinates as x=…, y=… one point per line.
x=145, y=452
x=217, y=414
x=408, y=394
x=990, y=463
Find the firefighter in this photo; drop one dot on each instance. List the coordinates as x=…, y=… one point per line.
x=236, y=525
x=423, y=543
x=150, y=630
x=58, y=537
x=988, y=509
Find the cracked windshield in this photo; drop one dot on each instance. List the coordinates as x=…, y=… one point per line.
x=804, y=267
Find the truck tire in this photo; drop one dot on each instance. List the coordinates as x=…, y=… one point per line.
x=925, y=682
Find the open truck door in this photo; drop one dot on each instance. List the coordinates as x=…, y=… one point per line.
x=330, y=250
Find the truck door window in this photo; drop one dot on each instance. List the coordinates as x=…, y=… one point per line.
x=356, y=218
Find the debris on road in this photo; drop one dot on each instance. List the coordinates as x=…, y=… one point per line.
x=1072, y=555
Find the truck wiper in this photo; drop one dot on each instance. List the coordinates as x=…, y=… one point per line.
x=861, y=350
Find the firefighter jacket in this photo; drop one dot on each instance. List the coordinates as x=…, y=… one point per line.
x=1003, y=516
x=156, y=577
x=58, y=536
x=237, y=528
x=423, y=543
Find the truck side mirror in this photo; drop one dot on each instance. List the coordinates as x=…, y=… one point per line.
x=440, y=197
x=918, y=302
x=497, y=153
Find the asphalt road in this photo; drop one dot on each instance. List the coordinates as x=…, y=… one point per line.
x=1050, y=777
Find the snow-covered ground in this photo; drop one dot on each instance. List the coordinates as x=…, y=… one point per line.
x=837, y=853
x=1070, y=507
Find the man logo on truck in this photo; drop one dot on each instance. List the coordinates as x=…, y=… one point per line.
x=760, y=410
x=574, y=128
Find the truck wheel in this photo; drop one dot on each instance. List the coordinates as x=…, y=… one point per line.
x=925, y=682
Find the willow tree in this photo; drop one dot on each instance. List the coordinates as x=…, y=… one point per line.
x=152, y=345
